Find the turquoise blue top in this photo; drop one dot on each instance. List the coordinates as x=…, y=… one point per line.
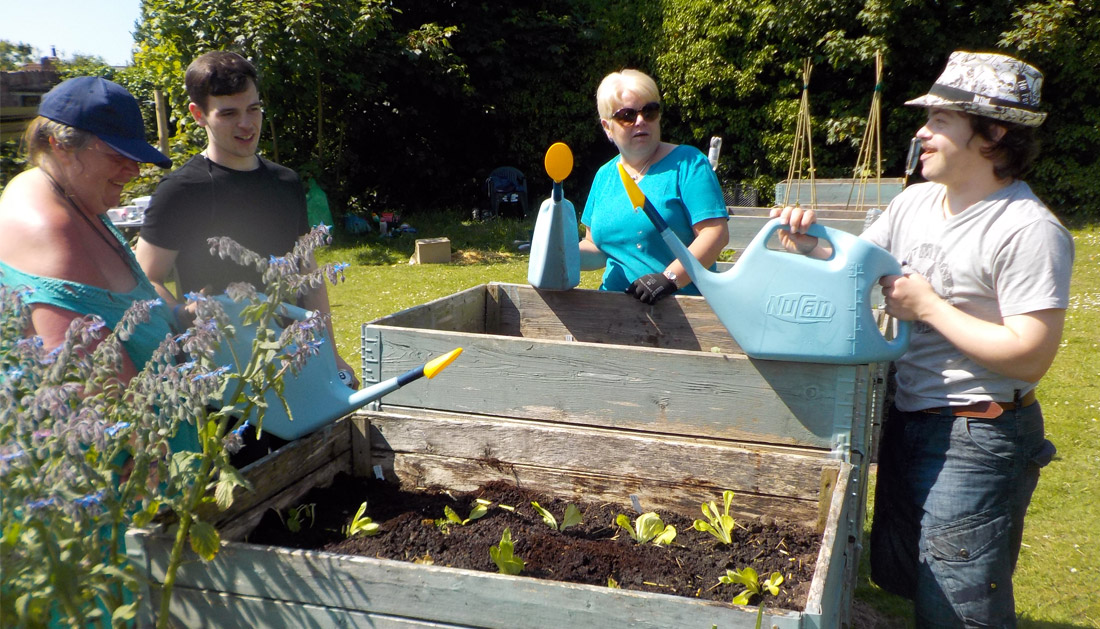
x=683, y=189
x=85, y=300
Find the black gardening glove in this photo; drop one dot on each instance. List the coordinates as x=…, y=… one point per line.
x=651, y=288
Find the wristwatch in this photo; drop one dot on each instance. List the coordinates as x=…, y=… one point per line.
x=671, y=277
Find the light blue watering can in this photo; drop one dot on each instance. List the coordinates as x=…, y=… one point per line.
x=555, y=262
x=781, y=306
x=316, y=395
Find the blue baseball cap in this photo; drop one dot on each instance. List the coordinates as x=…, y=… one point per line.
x=106, y=110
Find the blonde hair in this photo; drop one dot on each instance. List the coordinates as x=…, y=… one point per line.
x=36, y=139
x=609, y=95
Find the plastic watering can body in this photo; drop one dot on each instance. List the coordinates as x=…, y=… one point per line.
x=784, y=306
x=315, y=395
x=555, y=262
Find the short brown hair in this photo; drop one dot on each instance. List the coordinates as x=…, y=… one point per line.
x=218, y=73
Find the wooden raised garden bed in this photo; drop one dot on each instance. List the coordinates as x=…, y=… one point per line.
x=582, y=395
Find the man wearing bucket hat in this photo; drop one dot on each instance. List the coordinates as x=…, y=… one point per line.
x=986, y=284
x=85, y=145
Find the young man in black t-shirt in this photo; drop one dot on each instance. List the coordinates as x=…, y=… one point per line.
x=227, y=190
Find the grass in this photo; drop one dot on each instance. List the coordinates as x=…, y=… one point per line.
x=1058, y=576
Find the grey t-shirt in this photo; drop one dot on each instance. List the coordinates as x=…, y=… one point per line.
x=1005, y=255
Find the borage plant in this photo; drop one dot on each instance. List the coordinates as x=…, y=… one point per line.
x=84, y=455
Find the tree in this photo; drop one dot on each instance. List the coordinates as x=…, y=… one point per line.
x=14, y=55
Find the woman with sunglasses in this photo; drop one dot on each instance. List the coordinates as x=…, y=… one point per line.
x=85, y=145
x=677, y=179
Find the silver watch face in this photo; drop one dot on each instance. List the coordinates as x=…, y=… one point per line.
x=671, y=276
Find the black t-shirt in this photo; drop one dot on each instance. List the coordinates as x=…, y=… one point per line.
x=263, y=210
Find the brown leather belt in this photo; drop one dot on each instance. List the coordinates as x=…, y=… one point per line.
x=984, y=410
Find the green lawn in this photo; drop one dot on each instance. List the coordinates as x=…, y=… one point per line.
x=1058, y=578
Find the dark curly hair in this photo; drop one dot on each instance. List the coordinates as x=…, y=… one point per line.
x=1016, y=151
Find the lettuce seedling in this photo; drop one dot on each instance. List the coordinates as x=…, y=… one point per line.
x=748, y=578
x=572, y=516
x=717, y=524
x=481, y=507
x=648, y=526
x=504, y=557
x=361, y=524
x=296, y=515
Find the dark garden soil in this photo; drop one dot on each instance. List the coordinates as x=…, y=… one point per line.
x=589, y=552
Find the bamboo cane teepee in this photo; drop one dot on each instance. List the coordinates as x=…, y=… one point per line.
x=869, y=161
x=803, y=150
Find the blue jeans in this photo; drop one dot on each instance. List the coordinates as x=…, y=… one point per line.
x=949, y=512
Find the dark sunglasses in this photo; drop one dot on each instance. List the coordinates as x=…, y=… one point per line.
x=628, y=115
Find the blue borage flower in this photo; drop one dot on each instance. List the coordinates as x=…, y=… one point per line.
x=340, y=266
x=45, y=503
x=11, y=456
x=213, y=374
x=241, y=429
x=90, y=500
x=114, y=430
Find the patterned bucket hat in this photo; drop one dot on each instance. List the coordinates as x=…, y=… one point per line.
x=988, y=84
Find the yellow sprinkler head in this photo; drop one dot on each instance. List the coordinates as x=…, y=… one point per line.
x=436, y=365
x=558, y=161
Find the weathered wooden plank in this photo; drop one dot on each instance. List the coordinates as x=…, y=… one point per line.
x=462, y=312
x=842, y=192
x=203, y=608
x=463, y=475
x=685, y=323
x=239, y=526
x=304, y=456
x=663, y=391
x=489, y=441
x=830, y=594
x=825, y=213
x=435, y=593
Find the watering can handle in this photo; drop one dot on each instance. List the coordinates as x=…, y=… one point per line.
x=883, y=264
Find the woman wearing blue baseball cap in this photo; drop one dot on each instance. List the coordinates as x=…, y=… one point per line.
x=85, y=145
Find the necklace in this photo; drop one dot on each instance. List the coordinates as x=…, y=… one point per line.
x=645, y=167
x=111, y=242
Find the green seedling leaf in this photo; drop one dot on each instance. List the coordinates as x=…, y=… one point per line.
x=717, y=524
x=647, y=527
x=503, y=556
x=547, y=517
x=572, y=517
x=612, y=583
x=362, y=525
x=452, y=516
x=481, y=507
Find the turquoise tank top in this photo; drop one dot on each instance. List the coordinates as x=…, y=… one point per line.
x=85, y=300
